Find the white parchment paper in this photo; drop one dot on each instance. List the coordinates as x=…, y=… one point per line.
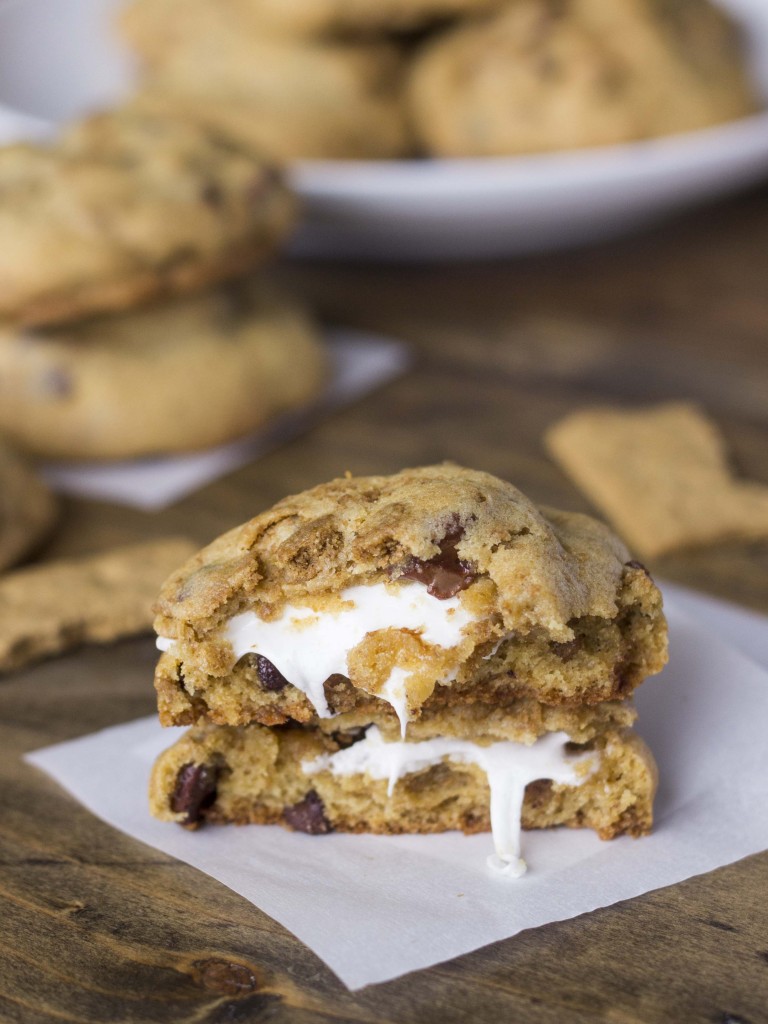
x=359, y=363
x=405, y=902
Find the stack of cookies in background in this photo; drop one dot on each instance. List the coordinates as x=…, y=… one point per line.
x=393, y=78
x=131, y=324
x=415, y=653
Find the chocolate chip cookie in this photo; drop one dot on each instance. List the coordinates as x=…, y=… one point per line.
x=413, y=653
x=176, y=376
x=289, y=97
x=129, y=205
x=550, y=75
x=311, y=782
x=393, y=597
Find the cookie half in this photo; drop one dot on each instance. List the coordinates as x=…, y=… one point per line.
x=359, y=782
x=172, y=377
x=393, y=597
x=129, y=205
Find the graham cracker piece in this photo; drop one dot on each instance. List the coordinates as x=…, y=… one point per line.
x=660, y=475
x=49, y=608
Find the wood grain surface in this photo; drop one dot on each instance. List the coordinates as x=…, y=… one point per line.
x=97, y=927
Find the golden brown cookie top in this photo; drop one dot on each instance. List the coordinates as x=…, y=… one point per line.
x=444, y=526
x=127, y=205
x=558, y=74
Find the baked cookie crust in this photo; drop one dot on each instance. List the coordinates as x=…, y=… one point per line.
x=130, y=205
x=544, y=75
x=178, y=376
x=290, y=97
x=554, y=608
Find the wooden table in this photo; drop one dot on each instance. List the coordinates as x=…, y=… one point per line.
x=96, y=927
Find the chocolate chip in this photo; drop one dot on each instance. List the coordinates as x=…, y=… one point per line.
x=538, y=793
x=195, y=791
x=212, y=194
x=269, y=677
x=445, y=574
x=567, y=650
x=308, y=815
x=348, y=737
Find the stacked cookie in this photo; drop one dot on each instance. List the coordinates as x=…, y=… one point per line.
x=415, y=653
x=388, y=78
x=122, y=332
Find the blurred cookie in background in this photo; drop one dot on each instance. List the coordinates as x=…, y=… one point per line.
x=173, y=377
x=129, y=205
x=27, y=508
x=561, y=74
x=152, y=24
x=291, y=97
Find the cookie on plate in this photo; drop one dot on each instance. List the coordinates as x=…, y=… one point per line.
x=176, y=376
x=395, y=596
x=129, y=205
x=27, y=508
x=292, y=98
x=547, y=75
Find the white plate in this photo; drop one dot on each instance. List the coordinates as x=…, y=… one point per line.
x=57, y=57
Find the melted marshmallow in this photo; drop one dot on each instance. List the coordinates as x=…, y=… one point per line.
x=307, y=647
x=509, y=767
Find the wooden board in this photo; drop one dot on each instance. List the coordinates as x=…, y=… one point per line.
x=96, y=927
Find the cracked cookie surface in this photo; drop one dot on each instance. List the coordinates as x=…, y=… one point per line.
x=128, y=205
x=536, y=604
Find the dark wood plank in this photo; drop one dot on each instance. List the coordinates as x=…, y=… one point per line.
x=95, y=926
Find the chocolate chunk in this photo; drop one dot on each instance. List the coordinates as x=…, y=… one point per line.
x=537, y=793
x=212, y=194
x=445, y=574
x=308, y=815
x=565, y=651
x=348, y=737
x=195, y=791
x=269, y=677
